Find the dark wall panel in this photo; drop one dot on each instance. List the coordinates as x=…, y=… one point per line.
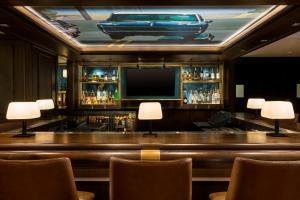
x=27, y=73
x=271, y=78
x=6, y=74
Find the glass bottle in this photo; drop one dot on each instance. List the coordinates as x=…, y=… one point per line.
x=185, y=99
x=116, y=95
x=113, y=78
x=217, y=74
x=184, y=76
x=201, y=74
x=105, y=76
x=195, y=74
x=212, y=74
x=190, y=75
x=195, y=97
x=207, y=75
x=190, y=98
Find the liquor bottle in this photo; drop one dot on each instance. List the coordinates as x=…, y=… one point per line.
x=185, y=99
x=84, y=77
x=113, y=78
x=82, y=98
x=217, y=74
x=195, y=97
x=207, y=75
x=190, y=75
x=201, y=96
x=217, y=96
x=201, y=73
x=184, y=76
x=212, y=74
x=208, y=96
x=98, y=95
x=116, y=95
x=195, y=73
x=190, y=97
x=105, y=76
x=213, y=97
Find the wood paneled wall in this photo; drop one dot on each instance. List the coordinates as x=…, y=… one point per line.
x=270, y=78
x=27, y=73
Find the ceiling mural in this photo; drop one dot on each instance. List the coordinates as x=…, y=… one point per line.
x=124, y=26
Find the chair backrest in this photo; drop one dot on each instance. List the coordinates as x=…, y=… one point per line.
x=261, y=180
x=149, y=180
x=49, y=179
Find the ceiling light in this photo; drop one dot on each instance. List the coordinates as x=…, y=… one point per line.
x=296, y=24
x=263, y=40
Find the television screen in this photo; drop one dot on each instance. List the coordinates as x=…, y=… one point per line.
x=150, y=82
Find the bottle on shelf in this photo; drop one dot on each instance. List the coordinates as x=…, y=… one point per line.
x=212, y=74
x=185, y=99
x=217, y=74
x=195, y=97
x=184, y=76
x=98, y=95
x=195, y=74
x=190, y=97
x=206, y=75
x=116, y=95
x=114, y=76
x=105, y=76
x=217, y=96
x=190, y=76
x=84, y=77
x=201, y=96
x=201, y=74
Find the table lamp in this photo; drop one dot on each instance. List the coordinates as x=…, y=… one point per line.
x=45, y=104
x=277, y=110
x=150, y=111
x=23, y=111
x=255, y=104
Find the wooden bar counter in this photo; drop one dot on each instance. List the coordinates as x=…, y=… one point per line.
x=212, y=153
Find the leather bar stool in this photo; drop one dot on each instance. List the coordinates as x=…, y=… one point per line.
x=149, y=180
x=49, y=179
x=262, y=180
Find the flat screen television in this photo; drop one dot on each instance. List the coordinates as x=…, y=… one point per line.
x=151, y=83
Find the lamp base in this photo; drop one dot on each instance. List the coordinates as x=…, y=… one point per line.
x=24, y=135
x=277, y=135
x=150, y=134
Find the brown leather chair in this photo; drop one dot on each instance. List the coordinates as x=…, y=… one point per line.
x=150, y=180
x=262, y=180
x=49, y=179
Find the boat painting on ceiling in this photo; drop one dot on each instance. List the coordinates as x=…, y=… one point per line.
x=151, y=25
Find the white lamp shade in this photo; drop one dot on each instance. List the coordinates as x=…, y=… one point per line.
x=150, y=111
x=278, y=110
x=45, y=104
x=255, y=103
x=23, y=110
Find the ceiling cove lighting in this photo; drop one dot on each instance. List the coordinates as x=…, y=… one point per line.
x=192, y=28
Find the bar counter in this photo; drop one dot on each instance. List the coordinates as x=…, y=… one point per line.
x=212, y=153
x=236, y=140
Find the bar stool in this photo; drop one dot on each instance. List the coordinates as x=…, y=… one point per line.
x=47, y=179
x=262, y=180
x=149, y=180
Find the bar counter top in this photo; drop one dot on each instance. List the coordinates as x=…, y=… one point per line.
x=243, y=140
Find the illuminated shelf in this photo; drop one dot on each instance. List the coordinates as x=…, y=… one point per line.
x=202, y=81
x=100, y=82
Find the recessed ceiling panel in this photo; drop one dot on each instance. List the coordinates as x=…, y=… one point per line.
x=129, y=26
